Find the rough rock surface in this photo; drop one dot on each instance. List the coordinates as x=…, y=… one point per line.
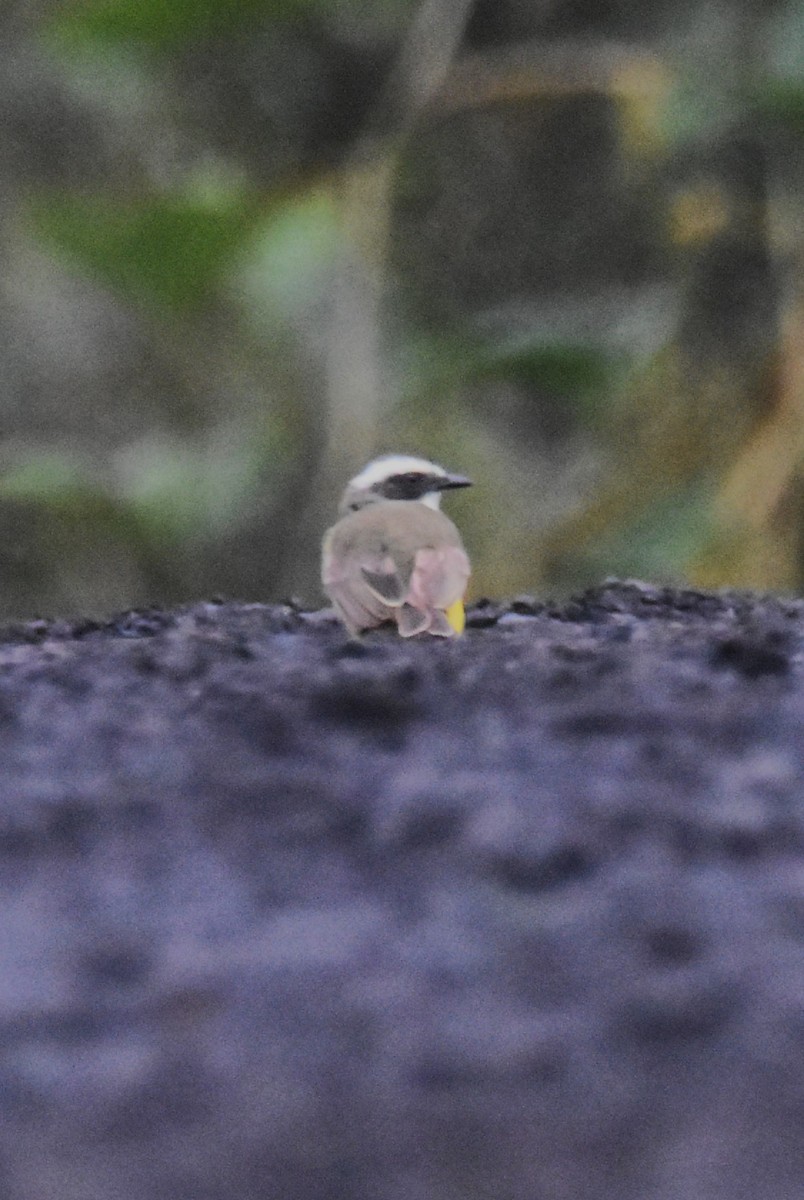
x=519, y=917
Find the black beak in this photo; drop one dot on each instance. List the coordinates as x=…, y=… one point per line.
x=452, y=481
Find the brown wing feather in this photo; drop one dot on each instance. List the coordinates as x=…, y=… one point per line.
x=353, y=612
x=387, y=584
x=358, y=604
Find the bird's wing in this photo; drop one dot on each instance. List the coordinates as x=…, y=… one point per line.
x=364, y=589
x=439, y=577
x=386, y=583
x=370, y=588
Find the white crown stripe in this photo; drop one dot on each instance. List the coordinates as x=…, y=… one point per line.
x=393, y=464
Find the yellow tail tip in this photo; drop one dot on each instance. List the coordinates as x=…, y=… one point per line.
x=456, y=616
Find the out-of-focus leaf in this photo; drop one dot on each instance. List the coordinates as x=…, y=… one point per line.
x=583, y=373
x=698, y=214
x=782, y=101
x=662, y=541
x=284, y=265
x=180, y=491
x=162, y=252
x=164, y=492
x=43, y=477
x=642, y=84
x=165, y=24
x=70, y=495
x=558, y=367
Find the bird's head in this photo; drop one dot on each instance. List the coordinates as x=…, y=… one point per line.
x=399, y=477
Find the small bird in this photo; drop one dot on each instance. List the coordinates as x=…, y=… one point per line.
x=393, y=555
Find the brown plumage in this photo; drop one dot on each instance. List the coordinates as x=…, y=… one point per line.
x=397, y=559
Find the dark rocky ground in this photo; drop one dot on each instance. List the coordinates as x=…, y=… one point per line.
x=515, y=918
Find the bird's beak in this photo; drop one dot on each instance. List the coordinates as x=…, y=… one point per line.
x=453, y=481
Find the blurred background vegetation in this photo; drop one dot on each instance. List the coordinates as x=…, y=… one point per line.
x=248, y=244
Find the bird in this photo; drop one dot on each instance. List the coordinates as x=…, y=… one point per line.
x=393, y=556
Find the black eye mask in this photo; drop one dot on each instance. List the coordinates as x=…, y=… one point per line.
x=411, y=486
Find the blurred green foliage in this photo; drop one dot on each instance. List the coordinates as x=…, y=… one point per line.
x=165, y=252
x=782, y=101
x=579, y=375
x=673, y=530
x=166, y=27
x=287, y=256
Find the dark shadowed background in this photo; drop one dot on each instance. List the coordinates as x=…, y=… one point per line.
x=247, y=244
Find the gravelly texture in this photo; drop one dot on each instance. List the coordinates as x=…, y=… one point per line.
x=515, y=918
